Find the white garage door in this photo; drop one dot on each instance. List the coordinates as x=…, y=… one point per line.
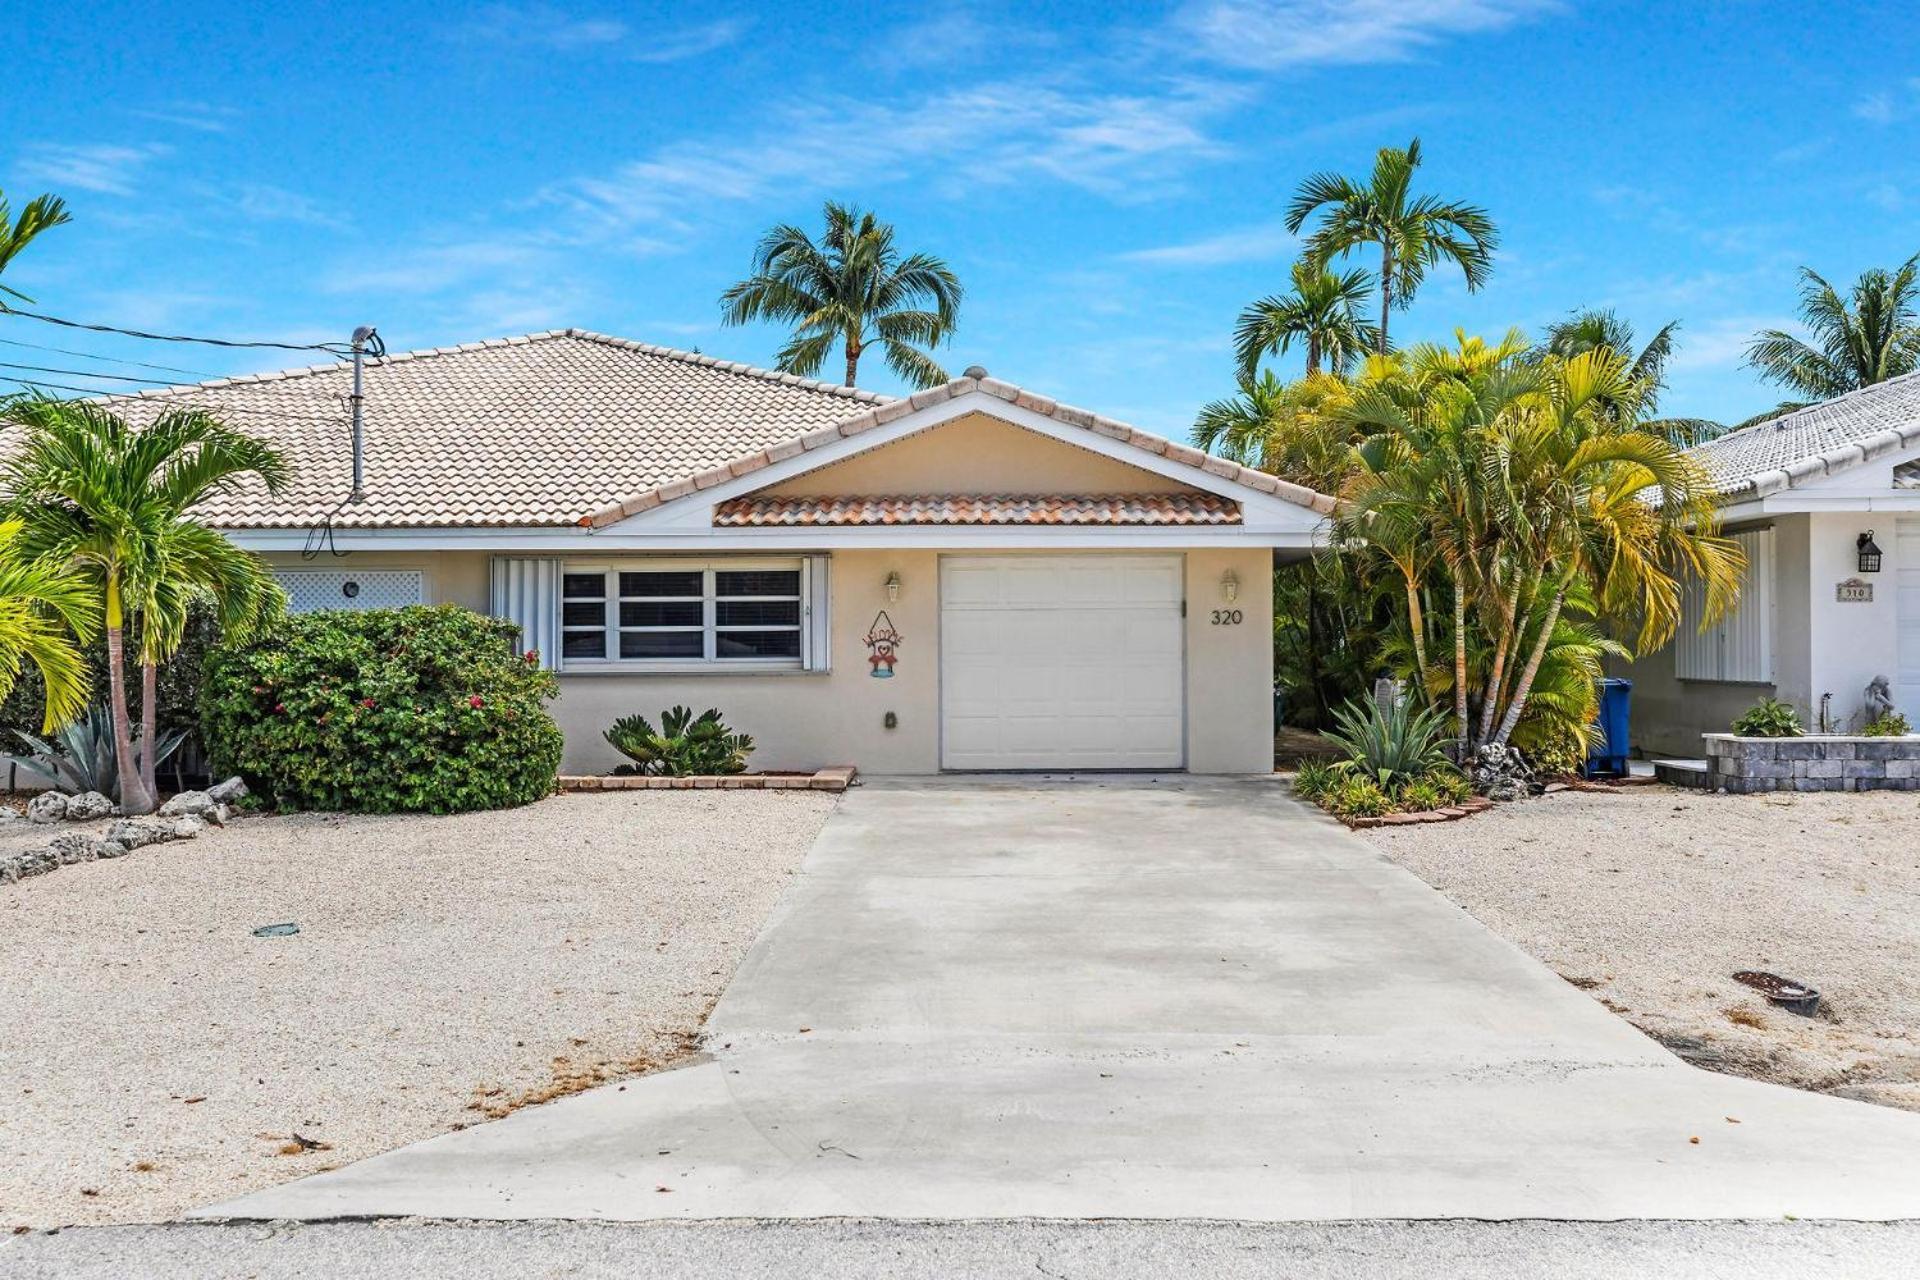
x=1061, y=662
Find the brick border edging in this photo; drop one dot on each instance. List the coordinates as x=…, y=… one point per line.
x=1447, y=813
x=837, y=778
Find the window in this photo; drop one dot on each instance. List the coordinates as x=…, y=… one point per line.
x=1738, y=649
x=667, y=612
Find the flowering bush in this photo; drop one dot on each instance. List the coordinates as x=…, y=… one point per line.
x=384, y=711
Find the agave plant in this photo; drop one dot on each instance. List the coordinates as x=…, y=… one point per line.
x=684, y=745
x=81, y=756
x=1389, y=746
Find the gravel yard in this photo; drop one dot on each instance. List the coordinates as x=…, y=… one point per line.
x=1649, y=898
x=155, y=1056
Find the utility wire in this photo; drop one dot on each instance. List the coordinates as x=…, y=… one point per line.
x=88, y=355
x=331, y=348
x=85, y=373
x=215, y=409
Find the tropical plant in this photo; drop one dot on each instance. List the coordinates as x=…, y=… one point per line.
x=44, y=609
x=1290, y=429
x=1389, y=745
x=415, y=710
x=1769, y=718
x=113, y=501
x=685, y=745
x=1320, y=312
x=82, y=755
x=1413, y=233
x=1356, y=796
x=853, y=288
x=41, y=213
x=1857, y=341
x=1891, y=725
x=1313, y=778
x=1594, y=328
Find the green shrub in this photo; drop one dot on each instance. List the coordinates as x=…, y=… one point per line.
x=1890, y=725
x=1454, y=787
x=1418, y=795
x=1769, y=718
x=1389, y=747
x=685, y=745
x=1313, y=778
x=384, y=711
x=1554, y=747
x=1356, y=796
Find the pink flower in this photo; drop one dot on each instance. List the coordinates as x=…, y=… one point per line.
x=476, y=702
x=367, y=703
x=533, y=656
x=279, y=708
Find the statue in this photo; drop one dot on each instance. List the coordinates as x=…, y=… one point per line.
x=1879, y=704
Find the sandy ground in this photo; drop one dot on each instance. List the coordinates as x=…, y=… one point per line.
x=1650, y=897
x=155, y=1056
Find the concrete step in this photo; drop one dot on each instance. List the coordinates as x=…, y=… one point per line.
x=1681, y=773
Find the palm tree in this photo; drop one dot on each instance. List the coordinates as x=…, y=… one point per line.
x=1288, y=429
x=108, y=499
x=44, y=610
x=1856, y=342
x=854, y=288
x=1413, y=232
x=1320, y=312
x=1594, y=328
x=40, y=214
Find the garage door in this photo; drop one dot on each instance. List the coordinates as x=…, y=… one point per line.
x=1061, y=662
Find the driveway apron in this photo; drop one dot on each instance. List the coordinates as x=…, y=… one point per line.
x=1141, y=998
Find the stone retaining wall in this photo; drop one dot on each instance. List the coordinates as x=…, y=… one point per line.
x=1819, y=763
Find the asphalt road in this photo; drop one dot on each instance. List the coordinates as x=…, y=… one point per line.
x=869, y=1250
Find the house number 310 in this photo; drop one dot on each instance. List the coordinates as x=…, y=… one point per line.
x=1226, y=617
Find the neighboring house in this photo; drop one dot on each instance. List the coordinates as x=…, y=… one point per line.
x=974, y=577
x=1801, y=492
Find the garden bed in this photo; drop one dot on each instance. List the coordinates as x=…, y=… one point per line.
x=835, y=779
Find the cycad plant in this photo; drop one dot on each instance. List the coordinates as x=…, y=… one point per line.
x=684, y=745
x=853, y=288
x=113, y=502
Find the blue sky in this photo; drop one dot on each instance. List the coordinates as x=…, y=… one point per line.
x=1109, y=188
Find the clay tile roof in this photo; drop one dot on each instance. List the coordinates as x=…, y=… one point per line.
x=539, y=430
x=1780, y=452
x=999, y=508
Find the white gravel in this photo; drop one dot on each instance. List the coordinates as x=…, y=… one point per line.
x=1654, y=896
x=155, y=1056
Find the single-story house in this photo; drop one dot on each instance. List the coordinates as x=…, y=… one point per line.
x=1826, y=502
x=973, y=577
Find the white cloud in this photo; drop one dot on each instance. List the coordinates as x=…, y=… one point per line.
x=1876, y=107
x=266, y=203
x=1247, y=244
x=110, y=170
x=1721, y=344
x=1272, y=34
x=202, y=117
x=436, y=268
x=545, y=27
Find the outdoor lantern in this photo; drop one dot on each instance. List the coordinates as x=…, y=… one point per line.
x=1230, y=585
x=893, y=585
x=1869, y=553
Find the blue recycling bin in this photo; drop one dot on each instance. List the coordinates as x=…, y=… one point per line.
x=1613, y=743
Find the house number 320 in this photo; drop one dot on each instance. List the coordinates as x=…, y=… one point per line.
x=1226, y=617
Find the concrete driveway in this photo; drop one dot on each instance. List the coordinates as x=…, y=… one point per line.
x=1141, y=999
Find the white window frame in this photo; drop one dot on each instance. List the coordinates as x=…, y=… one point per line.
x=710, y=627
x=1738, y=649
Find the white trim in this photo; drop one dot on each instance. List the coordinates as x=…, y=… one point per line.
x=619, y=540
x=709, y=568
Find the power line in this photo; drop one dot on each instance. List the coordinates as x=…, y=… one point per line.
x=215, y=409
x=331, y=348
x=84, y=373
x=88, y=355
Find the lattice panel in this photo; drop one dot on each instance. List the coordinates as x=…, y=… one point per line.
x=311, y=589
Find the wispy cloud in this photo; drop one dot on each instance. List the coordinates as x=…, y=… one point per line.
x=1126, y=146
x=1272, y=34
x=1246, y=244
x=544, y=27
x=438, y=267
x=108, y=169
x=1719, y=344
x=202, y=117
x=1885, y=106
x=266, y=203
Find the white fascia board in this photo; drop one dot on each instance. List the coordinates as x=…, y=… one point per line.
x=1804, y=500
x=695, y=510
x=709, y=541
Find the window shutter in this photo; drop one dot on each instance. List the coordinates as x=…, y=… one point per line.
x=816, y=618
x=526, y=592
x=1740, y=646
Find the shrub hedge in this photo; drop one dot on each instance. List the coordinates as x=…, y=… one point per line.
x=419, y=709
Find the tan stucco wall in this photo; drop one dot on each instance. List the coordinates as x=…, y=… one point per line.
x=803, y=720
x=976, y=454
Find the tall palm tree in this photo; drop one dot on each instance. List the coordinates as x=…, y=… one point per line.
x=1594, y=328
x=40, y=214
x=1857, y=341
x=1413, y=232
x=853, y=288
x=44, y=609
x=1320, y=312
x=1289, y=429
x=93, y=492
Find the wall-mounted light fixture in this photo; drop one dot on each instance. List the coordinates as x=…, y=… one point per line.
x=1230, y=586
x=1869, y=552
x=893, y=585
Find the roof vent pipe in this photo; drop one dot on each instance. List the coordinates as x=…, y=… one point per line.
x=366, y=338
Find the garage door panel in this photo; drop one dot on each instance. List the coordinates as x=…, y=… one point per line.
x=1053, y=662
